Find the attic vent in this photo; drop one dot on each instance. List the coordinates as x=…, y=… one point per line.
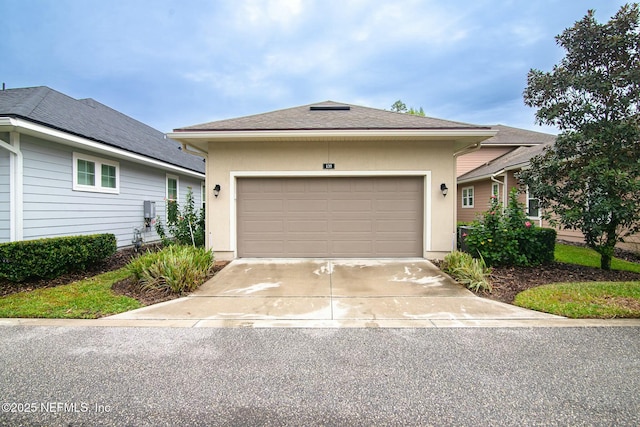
x=330, y=107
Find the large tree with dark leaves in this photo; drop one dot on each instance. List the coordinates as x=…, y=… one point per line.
x=590, y=178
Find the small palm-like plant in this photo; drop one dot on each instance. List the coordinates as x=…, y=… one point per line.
x=469, y=271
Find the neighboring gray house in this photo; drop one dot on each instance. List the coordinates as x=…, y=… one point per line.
x=72, y=167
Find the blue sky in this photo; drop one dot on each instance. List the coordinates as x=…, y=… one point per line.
x=174, y=63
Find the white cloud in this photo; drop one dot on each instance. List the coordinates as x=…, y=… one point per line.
x=278, y=12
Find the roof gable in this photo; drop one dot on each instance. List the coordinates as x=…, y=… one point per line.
x=514, y=159
x=90, y=119
x=328, y=115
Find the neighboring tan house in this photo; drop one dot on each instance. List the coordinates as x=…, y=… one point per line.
x=506, y=140
x=72, y=167
x=496, y=178
x=331, y=180
x=475, y=169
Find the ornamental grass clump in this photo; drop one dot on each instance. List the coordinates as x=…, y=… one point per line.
x=469, y=271
x=175, y=269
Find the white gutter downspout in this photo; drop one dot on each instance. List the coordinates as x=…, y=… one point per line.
x=16, y=167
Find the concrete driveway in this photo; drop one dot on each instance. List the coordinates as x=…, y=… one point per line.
x=345, y=293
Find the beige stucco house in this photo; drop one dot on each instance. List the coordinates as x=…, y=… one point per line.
x=331, y=180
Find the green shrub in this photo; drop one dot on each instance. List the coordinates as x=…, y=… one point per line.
x=184, y=228
x=540, y=248
x=508, y=237
x=175, y=269
x=50, y=258
x=469, y=271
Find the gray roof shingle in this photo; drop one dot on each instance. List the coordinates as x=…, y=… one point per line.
x=325, y=116
x=515, y=136
x=90, y=119
x=512, y=160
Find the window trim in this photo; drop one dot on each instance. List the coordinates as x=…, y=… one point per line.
x=465, y=199
x=98, y=163
x=177, y=178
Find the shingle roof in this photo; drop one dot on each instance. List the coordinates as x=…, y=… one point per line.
x=512, y=160
x=515, y=136
x=328, y=115
x=90, y=119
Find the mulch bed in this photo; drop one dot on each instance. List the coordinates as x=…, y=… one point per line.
x=507, y=282
x=130, y=288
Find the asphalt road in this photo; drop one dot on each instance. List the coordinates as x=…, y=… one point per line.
x=463, y=377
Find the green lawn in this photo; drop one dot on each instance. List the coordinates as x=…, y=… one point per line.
x=585, y=256
x=585, y=300
x=603, y=300
x=86, y=299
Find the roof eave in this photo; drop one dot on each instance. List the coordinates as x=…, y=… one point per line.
x=464, y=137
x=493, y=174
x=14, y=124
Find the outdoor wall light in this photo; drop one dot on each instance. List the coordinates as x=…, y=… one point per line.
x=216, y=190
x=444, y=189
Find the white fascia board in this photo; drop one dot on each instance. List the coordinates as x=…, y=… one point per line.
x=450, y=134
x=45, y=132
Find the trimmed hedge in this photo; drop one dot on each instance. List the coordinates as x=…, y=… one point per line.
x=50, y=258
x=540, y=247
x=536, y=246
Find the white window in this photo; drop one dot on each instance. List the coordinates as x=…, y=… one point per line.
x=533, y=206
x=495, y=189
x=172, y=188
x=467, y=197
x=95, y=174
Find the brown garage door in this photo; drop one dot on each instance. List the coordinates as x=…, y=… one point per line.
x=330, y=217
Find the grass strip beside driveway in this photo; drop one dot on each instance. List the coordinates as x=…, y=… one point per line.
x=85, y=299
x=593, y=300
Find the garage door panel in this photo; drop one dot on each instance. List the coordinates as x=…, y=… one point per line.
x=394, y=226
x=357, y=225
x=300, y=246
x=308, y=225
x=304, y=205
x=364, y=206
x=256, y=247
x=351, y=247
x=261, y=206
x=330, y=217
x=397, y=206
x=261, y=226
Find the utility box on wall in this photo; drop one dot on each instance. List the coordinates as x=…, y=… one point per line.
x=149, y=209
x=149, y=213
